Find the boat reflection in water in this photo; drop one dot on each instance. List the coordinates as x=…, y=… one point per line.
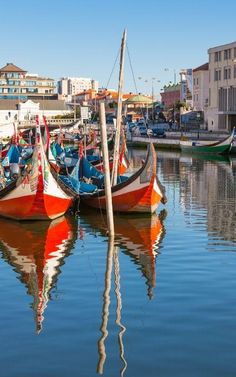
x=36, y=252
x=140, y=238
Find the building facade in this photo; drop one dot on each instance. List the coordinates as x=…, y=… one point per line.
x=186, y=86
x=222, y=87
x=16, y=83
x=170, y=95
x=201, y=88
x=12, y=110
x=69, y=86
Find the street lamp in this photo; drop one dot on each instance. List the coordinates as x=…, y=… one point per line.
x=151, y=80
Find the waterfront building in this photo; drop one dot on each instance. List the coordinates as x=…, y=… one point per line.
x=201, y=87
x=186, y=87
x=17, y=83
x=92, y=98
x=70, y=86
x=170, y=95
x=14, y=110
x=222, y=87
x=138, y=106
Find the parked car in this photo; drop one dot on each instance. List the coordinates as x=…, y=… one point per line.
x=142, y=130
x=164, y=125
x=158, y=132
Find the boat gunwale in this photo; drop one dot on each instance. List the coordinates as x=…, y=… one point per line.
x=131, y=179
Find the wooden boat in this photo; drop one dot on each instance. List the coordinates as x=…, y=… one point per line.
x=64, y=161
x=36, y=195
x=233, y=149
x=219, y=147
x=123, y=162
x=36, y=253
x=141, y=192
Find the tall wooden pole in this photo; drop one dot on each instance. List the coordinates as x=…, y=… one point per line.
x=107, y=181
x=119, y=111
x=85, y=138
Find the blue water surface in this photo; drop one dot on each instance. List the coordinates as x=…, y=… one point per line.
x=160, y=303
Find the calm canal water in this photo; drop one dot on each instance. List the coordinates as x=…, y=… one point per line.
x=163, y=305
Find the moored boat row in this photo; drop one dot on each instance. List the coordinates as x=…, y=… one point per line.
x=39, y=191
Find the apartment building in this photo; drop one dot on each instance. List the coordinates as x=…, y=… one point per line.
x=16, y=83
x=69, y=86
x=201, y=87
x=222, y=87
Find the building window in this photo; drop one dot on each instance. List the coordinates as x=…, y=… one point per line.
x=217, y=75
x=232, y=99
x=234, y=52
x=227, y=54
x=234, y=71
x=194, y=81
x=218, y=56
x=227, y=73
x=222, y=99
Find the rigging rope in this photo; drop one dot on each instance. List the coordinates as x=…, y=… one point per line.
x=135, y=85
x=132, y=71
x=108, y=82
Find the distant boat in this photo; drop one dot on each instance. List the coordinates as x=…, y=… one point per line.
x=141, y=192
x=219, y=147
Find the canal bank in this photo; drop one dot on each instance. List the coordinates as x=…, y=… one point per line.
x=172, y=140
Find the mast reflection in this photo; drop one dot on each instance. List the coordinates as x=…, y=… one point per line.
x=36, y=253
x=140, y=238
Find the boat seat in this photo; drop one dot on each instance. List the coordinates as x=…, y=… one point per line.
x=87, y=187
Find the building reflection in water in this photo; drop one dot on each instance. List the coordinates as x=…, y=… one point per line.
x=205, y=186
x=210, y=186
x=36, y=253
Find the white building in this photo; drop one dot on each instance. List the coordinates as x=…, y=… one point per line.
x=222, y=87
x=201, y=88
x=69, y=86
x=186, y=86
x=12, y=110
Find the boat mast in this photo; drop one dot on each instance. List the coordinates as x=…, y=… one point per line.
x=119, y=111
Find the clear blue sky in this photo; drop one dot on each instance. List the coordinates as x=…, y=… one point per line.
x=58, y=38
